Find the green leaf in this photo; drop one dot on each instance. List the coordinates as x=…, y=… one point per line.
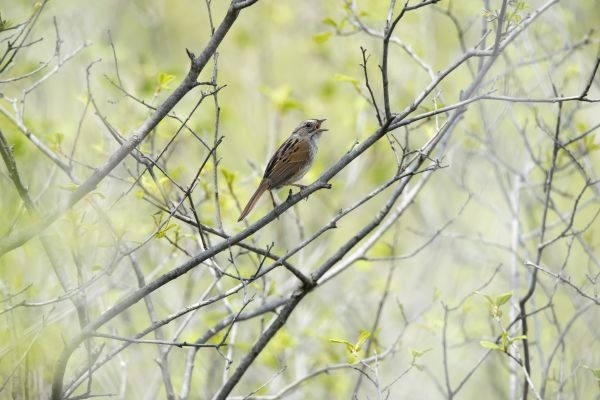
x=488, y=298
x=345, y=78
x=503, y=341
x=364, y=335
x=98, y=194
x=162, y=233
x=5, y=24
x=164, y=78
x=489, y=345
x=581, y=127
x=348, y=79
x=342, y=24
x=589, y=142
x=229, y=177
x=96, y=268
x=349, y=346
x=165, y=183
x=322, y=37
x=417, y=353
x=503, y=298
x=520, y=5
x=281, y=97
x=596, y=372
x=330, y=22
x=55, y=139
x=163, y=81
x=520, y=337
x=69, y=186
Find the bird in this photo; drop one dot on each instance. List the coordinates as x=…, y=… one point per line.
x=291, y=161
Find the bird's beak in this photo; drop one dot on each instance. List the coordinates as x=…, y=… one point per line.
x=319, y=122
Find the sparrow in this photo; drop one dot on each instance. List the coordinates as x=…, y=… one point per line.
x=291, y=161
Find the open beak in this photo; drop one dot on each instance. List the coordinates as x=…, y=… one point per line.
x=319, y=122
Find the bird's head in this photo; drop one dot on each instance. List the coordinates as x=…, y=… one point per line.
x=309, y=127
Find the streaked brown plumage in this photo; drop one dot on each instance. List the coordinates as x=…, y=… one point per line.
x=291, y=161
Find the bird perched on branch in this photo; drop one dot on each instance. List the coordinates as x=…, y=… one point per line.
x=291, y=161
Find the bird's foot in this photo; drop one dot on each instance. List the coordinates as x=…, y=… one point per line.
x=302, y=187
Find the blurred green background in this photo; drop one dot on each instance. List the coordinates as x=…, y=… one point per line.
x=282, y=62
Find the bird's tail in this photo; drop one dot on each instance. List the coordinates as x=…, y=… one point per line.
x=252, y=202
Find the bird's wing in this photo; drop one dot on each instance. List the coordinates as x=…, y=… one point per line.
x=288, y=161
